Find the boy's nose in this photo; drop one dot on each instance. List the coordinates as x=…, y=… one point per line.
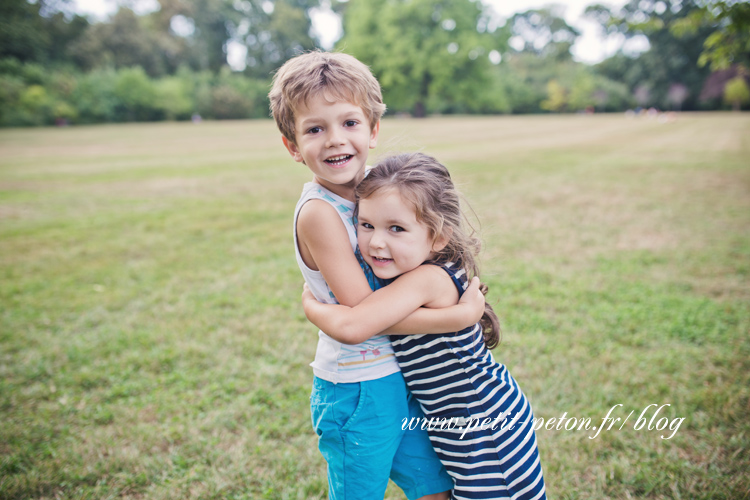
x=335, y=138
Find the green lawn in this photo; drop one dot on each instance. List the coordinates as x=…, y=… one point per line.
x=152, y=344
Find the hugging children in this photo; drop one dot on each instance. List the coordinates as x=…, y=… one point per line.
x=328, y=108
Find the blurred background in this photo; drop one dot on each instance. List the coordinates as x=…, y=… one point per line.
x=96, y=61
x=152, y=344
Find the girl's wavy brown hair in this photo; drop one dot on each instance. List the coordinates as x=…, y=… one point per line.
x=427, y=184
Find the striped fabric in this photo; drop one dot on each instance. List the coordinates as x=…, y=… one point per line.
x=478, y=419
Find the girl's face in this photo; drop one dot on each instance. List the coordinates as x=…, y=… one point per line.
x=390, y=238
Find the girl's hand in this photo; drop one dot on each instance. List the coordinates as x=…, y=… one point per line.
x=473, y=301
x=308, y=300
x=307, y=294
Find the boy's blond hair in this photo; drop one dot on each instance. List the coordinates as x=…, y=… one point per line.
x=334, y=75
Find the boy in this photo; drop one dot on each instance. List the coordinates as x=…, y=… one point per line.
x=328, y=108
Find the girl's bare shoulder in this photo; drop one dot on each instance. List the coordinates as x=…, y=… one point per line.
x=435, y=283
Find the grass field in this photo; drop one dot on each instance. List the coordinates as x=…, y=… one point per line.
x=152, y=344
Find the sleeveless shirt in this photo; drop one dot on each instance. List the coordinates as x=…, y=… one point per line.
x=334, y=361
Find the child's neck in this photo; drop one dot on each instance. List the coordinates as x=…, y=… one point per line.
x=343, y=190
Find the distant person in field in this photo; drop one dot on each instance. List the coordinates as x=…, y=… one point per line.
x=410, y=231
x=328, y=108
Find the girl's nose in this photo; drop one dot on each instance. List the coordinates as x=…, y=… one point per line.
x=376, y=241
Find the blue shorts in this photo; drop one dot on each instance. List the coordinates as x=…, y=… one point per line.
x=360, y=436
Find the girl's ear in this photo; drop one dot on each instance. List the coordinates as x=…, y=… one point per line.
x=442, y=240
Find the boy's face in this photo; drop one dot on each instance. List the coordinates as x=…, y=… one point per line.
x=333, y=140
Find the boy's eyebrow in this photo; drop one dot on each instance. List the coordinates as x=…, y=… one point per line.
x=345, y=116
x=309, y=120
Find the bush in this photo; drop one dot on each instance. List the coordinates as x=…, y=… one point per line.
x=136, y=96
x=10, y=90
x=173, y=98
x=94, y=97
x=30, y=95
x=35, y=106
x=228, y=103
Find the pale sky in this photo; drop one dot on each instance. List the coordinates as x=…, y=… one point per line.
x=589, y=48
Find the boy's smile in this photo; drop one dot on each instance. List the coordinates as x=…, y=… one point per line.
x=333, y=139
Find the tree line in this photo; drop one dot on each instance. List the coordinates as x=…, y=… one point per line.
x=430, y=56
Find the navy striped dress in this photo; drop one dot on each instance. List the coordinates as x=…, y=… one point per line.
x=460, y=385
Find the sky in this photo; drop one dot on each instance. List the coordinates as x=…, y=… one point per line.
x=589, y=48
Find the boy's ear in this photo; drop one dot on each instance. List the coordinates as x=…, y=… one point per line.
x=374, y=135
x=443, y=239
x=293, y=150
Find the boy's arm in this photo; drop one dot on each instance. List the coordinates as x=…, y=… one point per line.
x=352, y=325
x=324, y=237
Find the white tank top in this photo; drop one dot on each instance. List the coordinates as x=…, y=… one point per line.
x=334, y=361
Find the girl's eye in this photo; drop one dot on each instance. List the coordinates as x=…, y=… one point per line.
x=365, y=225
x=397, y=229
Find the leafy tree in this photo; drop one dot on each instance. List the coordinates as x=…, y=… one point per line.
x=37, y=31
x=125, y=41
x=515, y=76
x=429, y=55
x=669, y=61
x=544, y=32
x=61, y=31
x=214, y=21
x=271, y=30
x=543, y=73
x=557, y=97
x=273, y=38
x=729, y=41
x=737, y=92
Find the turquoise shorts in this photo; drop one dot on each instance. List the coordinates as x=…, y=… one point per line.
x=360, y=436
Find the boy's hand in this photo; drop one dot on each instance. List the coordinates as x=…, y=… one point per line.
x=473, y=301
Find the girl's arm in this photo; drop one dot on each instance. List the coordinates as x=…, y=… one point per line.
x=425, y=286
x=323, y=237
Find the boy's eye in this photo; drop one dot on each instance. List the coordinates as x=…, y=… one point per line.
x=365, y=225
x=350, y=123
x=313, y=130
x=397, y=229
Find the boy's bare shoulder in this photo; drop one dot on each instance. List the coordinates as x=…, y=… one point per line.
x=316, y=215
x=320, y=232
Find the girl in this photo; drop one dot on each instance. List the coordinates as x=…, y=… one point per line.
x=479, y=422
